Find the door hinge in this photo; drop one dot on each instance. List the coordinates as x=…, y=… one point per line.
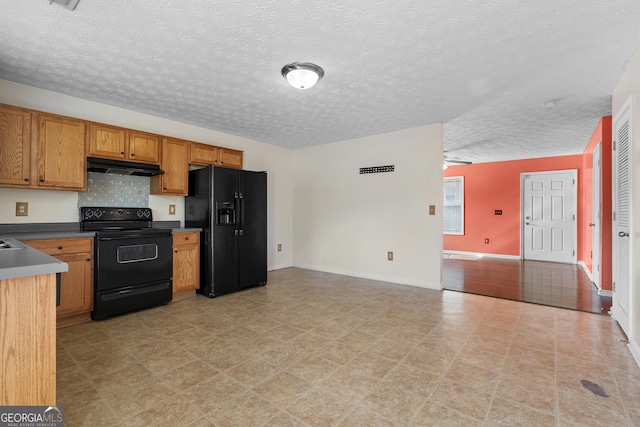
x=614, y=216
x=613, y=286
x=574, y=182
x=614, y=145
x=574, y=217
x=573, y=253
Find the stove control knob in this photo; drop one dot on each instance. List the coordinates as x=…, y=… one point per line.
x=120, y=212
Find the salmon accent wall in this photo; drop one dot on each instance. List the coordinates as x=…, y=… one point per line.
x=496, y=186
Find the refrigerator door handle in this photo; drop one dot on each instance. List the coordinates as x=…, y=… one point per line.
x=240, y=219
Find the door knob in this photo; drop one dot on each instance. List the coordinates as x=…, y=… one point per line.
x=623, y=234
x=526, y=223
x=592, y=225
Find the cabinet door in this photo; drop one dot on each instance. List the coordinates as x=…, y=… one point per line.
x=202, y=154
x=61, y=153
x=15, y=146
x=186, y=268
x=230, y=158
x=144, y=147
x=175, y=179
x=75, y=285
x=107, y=141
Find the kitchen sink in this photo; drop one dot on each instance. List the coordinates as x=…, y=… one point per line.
x=10, y=244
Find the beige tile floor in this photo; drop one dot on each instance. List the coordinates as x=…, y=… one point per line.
x=316, y=349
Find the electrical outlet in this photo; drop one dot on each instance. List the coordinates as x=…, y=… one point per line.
x=390, y=256
x=172, y=209
x=486, y=240
x=22, y=209
x=279, y=247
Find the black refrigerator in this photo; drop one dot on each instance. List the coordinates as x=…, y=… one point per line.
x=230, y=206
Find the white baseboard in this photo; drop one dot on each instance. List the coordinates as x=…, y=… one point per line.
x=601, y=292
x=635, y=351
x=279, y=267
x=390, y=279
x=586, y=270
x=482, y=255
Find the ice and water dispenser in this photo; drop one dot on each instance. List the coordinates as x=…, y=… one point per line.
x=225, y=213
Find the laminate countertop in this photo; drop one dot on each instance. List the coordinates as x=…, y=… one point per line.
x=21, y=260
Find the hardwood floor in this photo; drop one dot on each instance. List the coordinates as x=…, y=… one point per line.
x=547, y=283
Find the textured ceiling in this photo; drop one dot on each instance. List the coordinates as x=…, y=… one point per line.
x=482, y=67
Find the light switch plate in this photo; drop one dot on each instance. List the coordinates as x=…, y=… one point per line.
x=172, y=209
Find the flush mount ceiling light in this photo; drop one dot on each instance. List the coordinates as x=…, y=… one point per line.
x=302, y=75
x=69, y=4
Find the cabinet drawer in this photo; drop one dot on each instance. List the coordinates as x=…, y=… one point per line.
x=62, y=246
x=186, y=238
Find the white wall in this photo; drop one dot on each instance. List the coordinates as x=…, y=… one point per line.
x=61, y=206
x=345, y=222
x=630, y=85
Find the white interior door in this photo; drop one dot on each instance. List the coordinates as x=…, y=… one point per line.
x=549, y=216
x=596, y=224
x=622, y=176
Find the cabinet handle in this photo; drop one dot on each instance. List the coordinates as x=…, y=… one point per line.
x=59, y=248
x=122, y=152
x=186, y=238
x=88, y=259
x=41, y=179
x=133, y=154
x=26, y=180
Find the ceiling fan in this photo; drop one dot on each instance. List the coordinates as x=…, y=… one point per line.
x=452, y=161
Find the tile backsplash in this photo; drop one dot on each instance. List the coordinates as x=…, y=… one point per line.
x=108, y=189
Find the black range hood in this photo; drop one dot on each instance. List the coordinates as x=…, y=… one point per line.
x=121, y=167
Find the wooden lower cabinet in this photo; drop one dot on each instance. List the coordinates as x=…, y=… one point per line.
x=186, y=264
x=76, y=285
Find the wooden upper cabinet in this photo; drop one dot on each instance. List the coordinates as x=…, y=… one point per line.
x=15, y=146
x=144, y=147
x=112, y=142
x=175, y=164
x=203, y=154
x=61, y=160
x=230, y=158
x=107, y=141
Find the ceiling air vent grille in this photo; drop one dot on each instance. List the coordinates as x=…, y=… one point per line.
x=69, y=4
